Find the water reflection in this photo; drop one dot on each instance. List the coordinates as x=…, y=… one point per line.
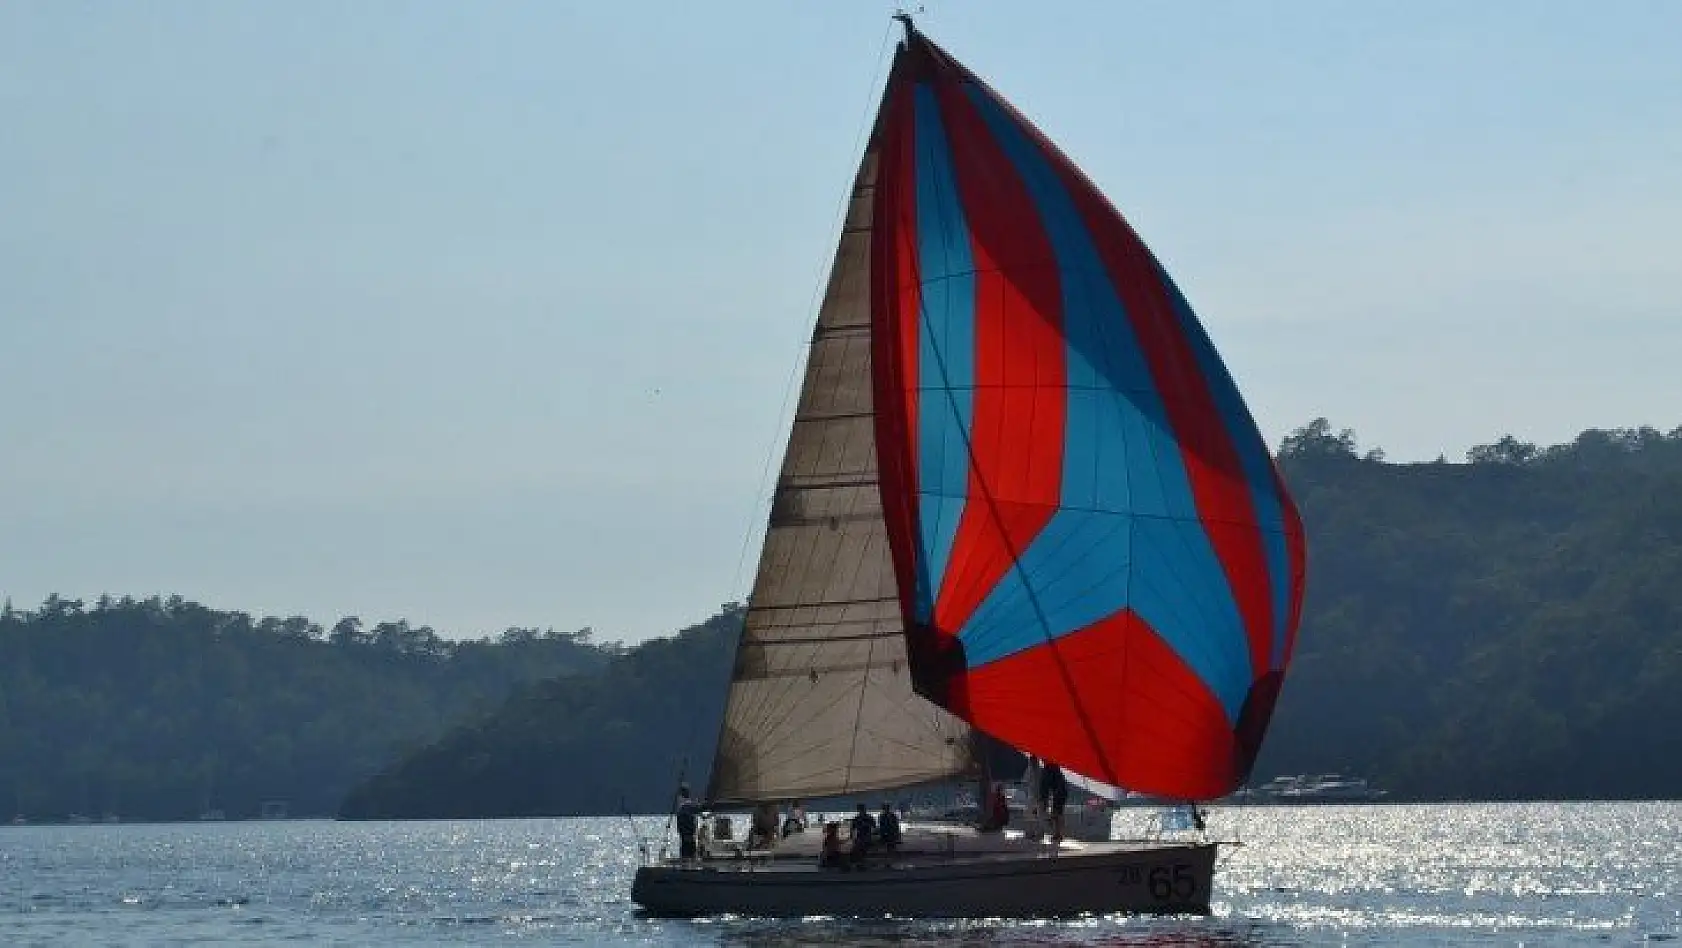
x=995, y=933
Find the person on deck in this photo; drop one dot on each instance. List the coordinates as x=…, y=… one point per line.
x=1054, y=795
x=688, y=822
x=887, y=827
x=796, y=821
x=864, y=827
x=829, y=857
x=997, y=814
x=762, y=832
x=1033, y=782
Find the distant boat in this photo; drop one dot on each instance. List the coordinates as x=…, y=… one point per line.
x=1320, y=788
x=212, y=815
x=1022, y=499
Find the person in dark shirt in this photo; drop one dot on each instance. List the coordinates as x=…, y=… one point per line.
x=830, y=856
x=1054, y=794
x=688, y=823
x=887, y=827
x=864, y=827
x=996, y=813
x=762, y=830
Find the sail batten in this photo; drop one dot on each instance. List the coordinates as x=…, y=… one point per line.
x=821, y=701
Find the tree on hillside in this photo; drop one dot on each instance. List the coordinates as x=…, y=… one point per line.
x=1317, y=441
x=1508, y=450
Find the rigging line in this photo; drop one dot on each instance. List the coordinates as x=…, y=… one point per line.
x=865, y=124
x=1009, y=544
x=671, y=810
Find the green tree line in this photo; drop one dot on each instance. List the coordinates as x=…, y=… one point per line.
x=598, y=744
x=166, y=709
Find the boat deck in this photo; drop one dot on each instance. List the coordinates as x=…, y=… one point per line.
x=920, y=844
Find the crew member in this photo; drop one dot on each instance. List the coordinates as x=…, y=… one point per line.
x=688, y=822
x=887, y=827
x=1054, y=794
x=864, y=827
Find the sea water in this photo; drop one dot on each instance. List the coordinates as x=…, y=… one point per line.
x=1497, y=874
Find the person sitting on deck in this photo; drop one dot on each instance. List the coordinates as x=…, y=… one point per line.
x=997, y=814
x=887, y=827
x=829, y=857
x=864, y=827
x=796, y=820
x=762, y=831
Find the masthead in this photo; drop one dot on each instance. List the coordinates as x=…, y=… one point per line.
x=904, y=18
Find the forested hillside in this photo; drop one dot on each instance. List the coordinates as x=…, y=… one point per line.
x=161, y=709
x=578, y=745
x=1502, y=628
x=1508, y=627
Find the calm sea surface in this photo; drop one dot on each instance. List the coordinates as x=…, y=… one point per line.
x=1533, y=874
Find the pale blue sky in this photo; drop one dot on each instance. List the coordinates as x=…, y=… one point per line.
x=483, y=313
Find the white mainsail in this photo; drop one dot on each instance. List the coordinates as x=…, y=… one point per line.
x=820, y=700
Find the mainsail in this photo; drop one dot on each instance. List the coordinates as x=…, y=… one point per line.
x=1097, y=560
x=821, y=701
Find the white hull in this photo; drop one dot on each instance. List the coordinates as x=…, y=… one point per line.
x=1098, y=878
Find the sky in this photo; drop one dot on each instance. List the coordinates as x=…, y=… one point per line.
x=488, y=314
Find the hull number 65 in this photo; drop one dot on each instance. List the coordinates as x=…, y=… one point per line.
x=1168, y=884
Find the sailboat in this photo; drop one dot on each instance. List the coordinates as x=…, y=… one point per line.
x=1022, y=502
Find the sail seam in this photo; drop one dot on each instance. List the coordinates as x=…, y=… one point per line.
x=821, y=603
x=790, y=483
x=834, y=416
x=807, y=640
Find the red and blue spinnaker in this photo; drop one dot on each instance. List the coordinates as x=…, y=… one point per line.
x=1097, y=560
